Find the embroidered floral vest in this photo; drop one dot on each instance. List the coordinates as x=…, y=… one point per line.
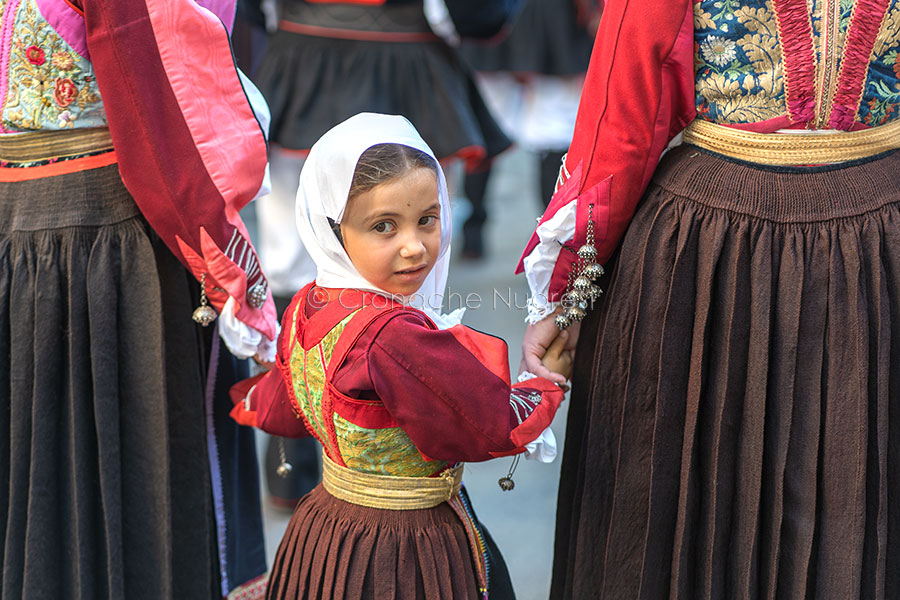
x=821, y=63
x=372, y=442
x=47, y=81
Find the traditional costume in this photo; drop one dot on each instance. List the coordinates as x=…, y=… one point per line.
x=734, y=423
x=397, y=396
x=127, y=146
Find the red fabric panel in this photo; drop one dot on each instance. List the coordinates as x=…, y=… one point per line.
x=451, y=405
x=551, y=397
x=799, y=56
x=490, y=351
x=157, y=157
x=158, y=160
x=861, y=35
x=271, y=402
x=638, y=94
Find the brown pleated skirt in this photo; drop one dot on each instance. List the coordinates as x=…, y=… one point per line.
x=734, y=430
x=334, y=550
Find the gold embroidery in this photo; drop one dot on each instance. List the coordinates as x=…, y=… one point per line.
x=49, y=86
x=702, y=19
x=743, y=97
x=889, y=35
x=381, y=451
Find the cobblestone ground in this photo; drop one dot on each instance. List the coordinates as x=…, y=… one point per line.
x=521, y=520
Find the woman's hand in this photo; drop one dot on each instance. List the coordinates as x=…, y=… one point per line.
x=538, y=338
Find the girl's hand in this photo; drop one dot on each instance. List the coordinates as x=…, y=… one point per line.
x=557, y=358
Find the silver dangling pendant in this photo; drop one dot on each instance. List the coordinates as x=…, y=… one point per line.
x=576, y=313
x=284, y=469
x=562, y=321
x=506, y=483
x=592, y=271
x=203, y=314
x=582, y=284
x=588, y=251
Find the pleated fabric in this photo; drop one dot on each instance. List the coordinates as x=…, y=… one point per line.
x=104, y=485
x=313, y=83
x=336, y=550
x=734, y=431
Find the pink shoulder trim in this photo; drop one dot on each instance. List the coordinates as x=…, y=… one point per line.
x=209, y=93
x=224, y=9
x=795, y=31
x=862, y=33
x=67, y=22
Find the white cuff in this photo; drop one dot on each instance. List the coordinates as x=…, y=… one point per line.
x=242, y=340
x=543, y=449
x=539, y=308
x=541, y=262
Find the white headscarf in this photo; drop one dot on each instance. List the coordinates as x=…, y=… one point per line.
x=324, y=185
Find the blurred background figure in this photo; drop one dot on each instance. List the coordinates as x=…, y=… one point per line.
x=326, y=61
x=531, y=80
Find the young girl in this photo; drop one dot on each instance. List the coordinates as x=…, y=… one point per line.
x=398, y=396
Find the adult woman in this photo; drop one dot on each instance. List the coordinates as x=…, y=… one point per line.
x=109, y=385
x=734, y=416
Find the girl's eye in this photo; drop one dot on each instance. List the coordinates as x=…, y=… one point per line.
x=383, y=227
x=429, y=220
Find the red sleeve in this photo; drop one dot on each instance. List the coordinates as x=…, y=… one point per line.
x=450, y=392
x=264, y=401
x=638, y=94
x=190, y=148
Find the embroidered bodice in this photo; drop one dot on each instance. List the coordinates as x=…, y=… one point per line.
x=387, y=393
x=826, y=64
x=382, y=448
x=758, y=65
x=47, y=80
x=190, y=160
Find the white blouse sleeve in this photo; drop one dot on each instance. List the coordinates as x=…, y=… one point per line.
x=242, y=340
x=539, y=265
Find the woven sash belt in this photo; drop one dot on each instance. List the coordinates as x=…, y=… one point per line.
x=387, y=491
x=786, y=149
x=37, y=146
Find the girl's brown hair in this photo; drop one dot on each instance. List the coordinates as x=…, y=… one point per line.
x=383, y=162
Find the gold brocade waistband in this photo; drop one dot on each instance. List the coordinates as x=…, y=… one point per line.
x=786, y=149
x=386, y=491
x=36, y=146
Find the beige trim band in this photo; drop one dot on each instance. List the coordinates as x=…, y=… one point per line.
x=386, y=491
x=36, y=146
x=787, y=149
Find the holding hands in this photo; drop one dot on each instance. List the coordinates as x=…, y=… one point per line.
x=548, y=351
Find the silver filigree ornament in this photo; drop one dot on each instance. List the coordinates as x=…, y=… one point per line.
x=256, y=297
x=204, y=314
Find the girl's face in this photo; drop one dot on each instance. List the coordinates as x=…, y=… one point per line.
x=392, y=232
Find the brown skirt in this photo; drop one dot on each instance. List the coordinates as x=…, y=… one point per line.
x=334, y=550
x=734, y=430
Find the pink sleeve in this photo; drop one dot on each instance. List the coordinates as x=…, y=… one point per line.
x=638, y=94
x=189, y=145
